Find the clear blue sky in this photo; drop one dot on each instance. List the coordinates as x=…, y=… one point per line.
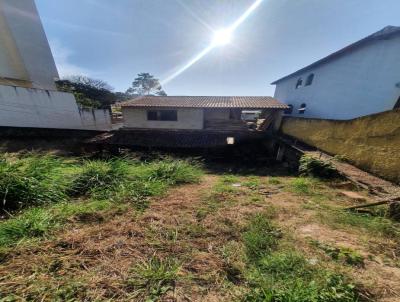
x=115, y=40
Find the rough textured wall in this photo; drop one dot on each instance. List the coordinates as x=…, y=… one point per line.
x=371, y=142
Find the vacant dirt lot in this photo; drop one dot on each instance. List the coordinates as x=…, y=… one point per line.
x=250, y=236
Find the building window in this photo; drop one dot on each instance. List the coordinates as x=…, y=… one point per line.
x=289, y=110
x=162, y=115
x=299, y=83
x=302, y=108
x=310, y=79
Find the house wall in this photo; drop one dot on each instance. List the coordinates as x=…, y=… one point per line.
x=216, y=114
x=24, y=50
x=188, y=118
x=37, y=108
x=371, y=142
x=359, y=83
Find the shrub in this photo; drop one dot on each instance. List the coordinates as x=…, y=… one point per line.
x=310, y=166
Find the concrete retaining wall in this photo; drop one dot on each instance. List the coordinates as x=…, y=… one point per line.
x=37, y=108
x=371, y=142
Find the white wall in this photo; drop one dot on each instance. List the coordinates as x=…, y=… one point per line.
x=24, y=50
x=24, y=107
x=359, y=83
x=188, y=118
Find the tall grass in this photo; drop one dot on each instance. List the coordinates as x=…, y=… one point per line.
x=39, y=179
x=32, y=180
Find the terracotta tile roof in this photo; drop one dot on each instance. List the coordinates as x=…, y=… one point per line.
x=247, y=102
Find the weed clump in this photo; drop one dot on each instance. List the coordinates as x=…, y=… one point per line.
x=35, y=222
x=32, y=180
x=261, y=238
x=98, y=177
x=310, y=166
x=153, y=278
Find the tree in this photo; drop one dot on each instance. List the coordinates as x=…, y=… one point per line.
x=89, y=92
x=145, y=84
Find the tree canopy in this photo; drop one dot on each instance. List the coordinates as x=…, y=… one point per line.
x=89, y=92
x=145, y=84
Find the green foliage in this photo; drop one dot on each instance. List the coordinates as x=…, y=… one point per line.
x=153, y=278
x=310, y=166
x=303, y=186
x=32, y=180
x=145, y=84
x=35, y=222
x=174, y=171
x=261, y=237
x=275, y=274
x=98, y=176
x=374, y=224
x=105, y=184
x=89, y=92
x=345, y=255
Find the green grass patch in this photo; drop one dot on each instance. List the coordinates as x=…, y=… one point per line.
x=153, y=278
x=35, y=222
x=304, y=186
x=31, y=180
x=374, y=224
x=342, y=254
x=274, y=273
x=260, y=238
x=286, y=276
x=51, y=185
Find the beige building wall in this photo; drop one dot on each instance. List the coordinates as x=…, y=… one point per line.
x=25, y=56
x=188, y=118
x=371, y=142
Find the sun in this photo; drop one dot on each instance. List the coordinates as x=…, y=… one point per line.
x=222, y=37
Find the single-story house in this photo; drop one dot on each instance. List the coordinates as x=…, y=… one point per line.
x=213, y=113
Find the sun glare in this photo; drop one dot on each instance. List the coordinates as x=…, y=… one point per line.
x=222, y=37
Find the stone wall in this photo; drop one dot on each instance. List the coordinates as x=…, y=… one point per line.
x=370, y=142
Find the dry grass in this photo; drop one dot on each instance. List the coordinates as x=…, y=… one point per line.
x=190, y=245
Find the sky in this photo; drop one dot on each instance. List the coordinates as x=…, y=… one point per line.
x=114, y=40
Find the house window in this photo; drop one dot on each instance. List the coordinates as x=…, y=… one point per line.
x=289, y=110
x=299, y=83
x=310, y=79
x=302, y=108
x=162, y=115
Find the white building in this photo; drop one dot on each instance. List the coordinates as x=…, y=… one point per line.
x=28, y=95
x=215, y=113
x=360, y=79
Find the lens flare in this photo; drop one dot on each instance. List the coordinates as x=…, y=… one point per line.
x=221, y=37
